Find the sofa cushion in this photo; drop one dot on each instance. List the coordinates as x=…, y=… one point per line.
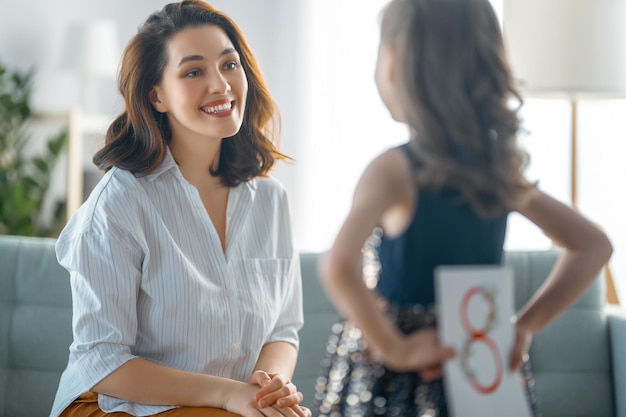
x=573, y=348
x=35, y=325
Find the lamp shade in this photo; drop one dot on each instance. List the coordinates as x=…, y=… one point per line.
x=575, y=47
x=91, y=48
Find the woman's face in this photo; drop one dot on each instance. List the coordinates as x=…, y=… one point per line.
x=203, y=89
x=386, y=81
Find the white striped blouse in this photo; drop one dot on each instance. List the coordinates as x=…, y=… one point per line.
x=149, y=279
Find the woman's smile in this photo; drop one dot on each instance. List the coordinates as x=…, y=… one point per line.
x=219, y=108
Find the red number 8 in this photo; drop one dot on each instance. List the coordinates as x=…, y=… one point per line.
x=480, y=336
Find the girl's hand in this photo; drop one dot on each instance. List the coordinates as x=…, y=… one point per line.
x=278, y=391
x=242, y=401
x=421, y=352
x=523, y=340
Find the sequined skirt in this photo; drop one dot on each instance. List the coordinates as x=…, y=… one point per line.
x=353, y=383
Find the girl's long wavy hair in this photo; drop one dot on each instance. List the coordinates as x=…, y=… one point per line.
x=457, y=92
x=137, y=139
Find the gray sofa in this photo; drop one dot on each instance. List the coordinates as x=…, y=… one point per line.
x=579, y=360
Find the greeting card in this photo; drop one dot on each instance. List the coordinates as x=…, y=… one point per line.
x=475, y=308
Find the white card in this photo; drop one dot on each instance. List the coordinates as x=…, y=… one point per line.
x=474, y=311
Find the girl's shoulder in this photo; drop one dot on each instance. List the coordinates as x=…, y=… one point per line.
x=391, y=168
x=389, y=186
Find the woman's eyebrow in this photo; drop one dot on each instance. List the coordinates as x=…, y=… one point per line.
x=228, y=51
x=201, y=58
x=190, y=58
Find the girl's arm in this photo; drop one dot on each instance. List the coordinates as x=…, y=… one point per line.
x=586, y=250
x=381, y=190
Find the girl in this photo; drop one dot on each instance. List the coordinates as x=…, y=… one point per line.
x=440, y=199
x=185, y=281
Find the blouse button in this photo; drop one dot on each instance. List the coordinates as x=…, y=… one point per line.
x=229, y=293
x=233, y=346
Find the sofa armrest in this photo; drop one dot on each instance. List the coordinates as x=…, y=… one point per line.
x=617, y=329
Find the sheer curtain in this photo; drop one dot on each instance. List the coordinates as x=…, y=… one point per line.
x=345, y=123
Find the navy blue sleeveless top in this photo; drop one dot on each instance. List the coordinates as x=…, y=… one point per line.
x=444, y=231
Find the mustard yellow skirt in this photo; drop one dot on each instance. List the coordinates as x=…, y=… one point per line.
x=87, y=406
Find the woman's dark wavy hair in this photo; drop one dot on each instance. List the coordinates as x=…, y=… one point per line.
x=137, y=139
x=456, y=88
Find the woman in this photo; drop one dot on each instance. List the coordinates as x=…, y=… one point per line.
x=185, y=282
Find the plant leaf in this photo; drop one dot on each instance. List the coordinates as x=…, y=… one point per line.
x=41, y=165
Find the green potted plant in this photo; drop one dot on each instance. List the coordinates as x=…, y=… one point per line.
x=24, y=176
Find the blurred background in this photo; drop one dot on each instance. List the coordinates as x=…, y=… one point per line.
x=318, y=58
